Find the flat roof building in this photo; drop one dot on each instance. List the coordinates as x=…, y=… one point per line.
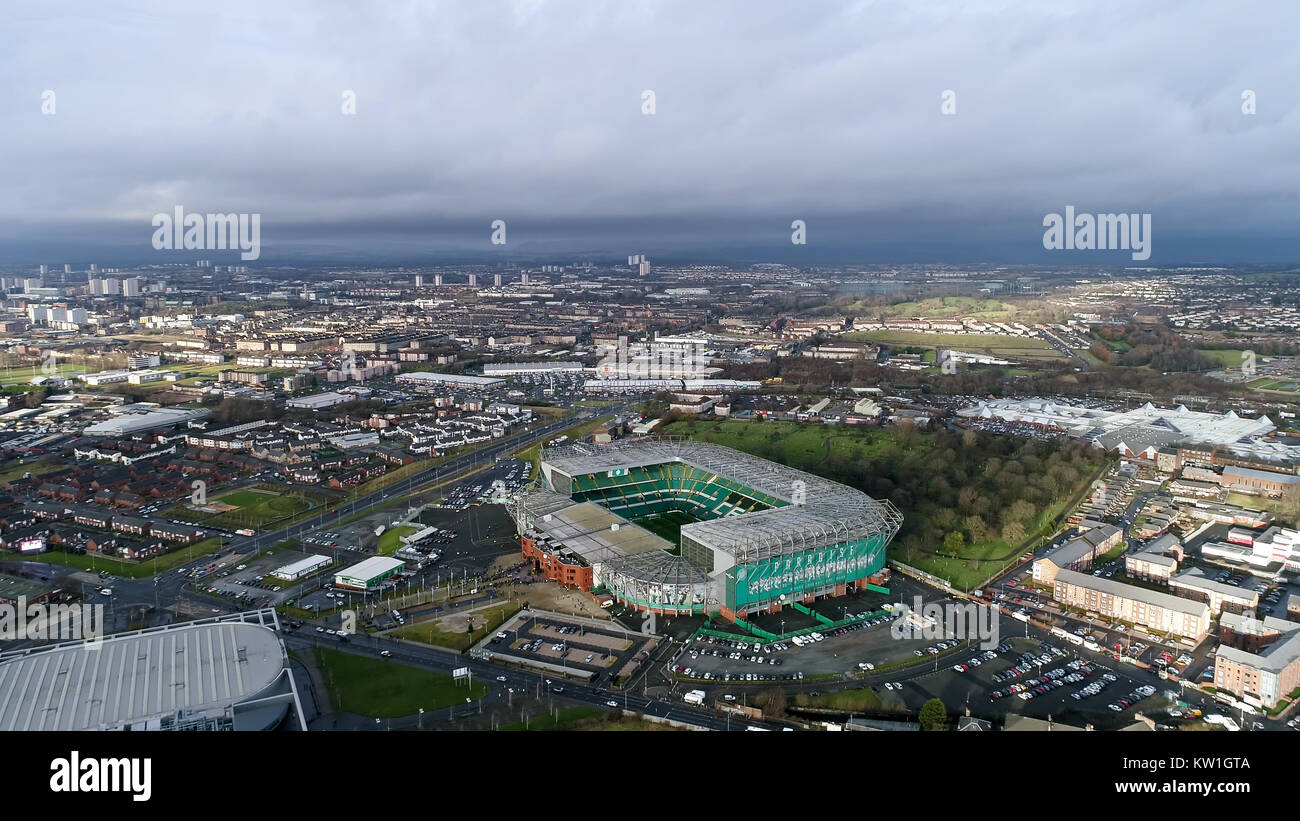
x=452, y=380
x=302, y=567
x=133, y=419
x=497, y=369
x=319, y=401
x=1262, y=482
x=369, y=574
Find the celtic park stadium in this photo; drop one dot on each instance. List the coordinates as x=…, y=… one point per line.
x=680, y=527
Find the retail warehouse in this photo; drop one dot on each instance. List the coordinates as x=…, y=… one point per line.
x=301, y=568
x=368, y=575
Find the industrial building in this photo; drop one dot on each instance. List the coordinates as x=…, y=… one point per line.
x=495, y=369
x=319, y=401
x=428, y=379
x=369, y=574
x=136, y=418
x=1277, y=548
x=1143, y=431
x=301, y=568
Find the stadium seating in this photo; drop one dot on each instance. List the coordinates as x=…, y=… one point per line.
x=657, y=489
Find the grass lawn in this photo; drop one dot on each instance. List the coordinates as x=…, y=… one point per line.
x=390, y=540
x=118, y=567
x=667, y=525
x=192, y=372
x=1273, y=384
x=257, y=508
x=1017, y=347
x=850, y=701
x=550, y=722
x=1245, y=500
x=23, y=374
x=1112, y=554
x=1092, y=360
x=386, y=689
x=15, y=470
x=245, y=498
x=428, y=632
x=1229, y=357
x=976, y=563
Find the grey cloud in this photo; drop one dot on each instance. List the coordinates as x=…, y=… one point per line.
x=531, y=111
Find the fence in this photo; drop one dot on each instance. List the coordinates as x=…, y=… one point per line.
x=766, y=637
x=908, y=570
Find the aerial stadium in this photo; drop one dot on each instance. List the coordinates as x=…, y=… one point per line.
x=673, y=526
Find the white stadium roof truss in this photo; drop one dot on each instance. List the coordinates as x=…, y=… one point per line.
x=831, y=512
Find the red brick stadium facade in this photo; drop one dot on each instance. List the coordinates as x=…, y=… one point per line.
x=569, y=572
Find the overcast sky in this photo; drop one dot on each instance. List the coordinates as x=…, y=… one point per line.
x=765, y=112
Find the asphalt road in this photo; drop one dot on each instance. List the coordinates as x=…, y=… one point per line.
x=522, y=681
x=169, y=586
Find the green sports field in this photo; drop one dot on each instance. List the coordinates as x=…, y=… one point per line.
x=1272, y=384
x=1008, y=347
x=255, y=509
x=1229, y=357
x=22, y=375
x=667, y=525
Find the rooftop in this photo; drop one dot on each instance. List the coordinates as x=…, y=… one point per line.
x=372, y=567
x=1274, y=658
x=1133, y=592
x=1197, y=579
x=202, y=668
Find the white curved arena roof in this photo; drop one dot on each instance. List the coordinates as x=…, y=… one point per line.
x=130, y=679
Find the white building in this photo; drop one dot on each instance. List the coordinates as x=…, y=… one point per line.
x=319, y=401
x=301, y=568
